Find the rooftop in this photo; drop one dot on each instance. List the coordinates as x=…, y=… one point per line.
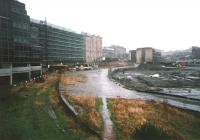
x=53, y=25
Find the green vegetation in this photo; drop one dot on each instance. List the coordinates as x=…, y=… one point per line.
x=99, y=105
x=190, y=128
x=36, y=114
x=117, y=128
x=150, y=132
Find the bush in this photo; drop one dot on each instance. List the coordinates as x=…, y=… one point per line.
x=40, y=80
x=150, y=132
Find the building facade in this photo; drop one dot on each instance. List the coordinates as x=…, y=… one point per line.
x=147, y=55
x=16, y=59
x=114, y=52
x=132, y=56
x=6, y=49
x=119, y=51
x=93, y=47
x=60, y=45
x=108, y=52
x=195, y=52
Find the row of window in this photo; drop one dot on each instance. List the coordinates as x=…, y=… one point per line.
x=65, y=39
x=21, y=25
x=19, y=39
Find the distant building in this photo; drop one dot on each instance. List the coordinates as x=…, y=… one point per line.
x=108, y=52
x=178, y=55
x=93, y=48
x=147, y=55
x=195, y=52
x=119, y=51
x=132, y=56
x=114, y=51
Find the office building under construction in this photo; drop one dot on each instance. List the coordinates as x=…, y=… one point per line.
x=27, y=46
x=60, y=45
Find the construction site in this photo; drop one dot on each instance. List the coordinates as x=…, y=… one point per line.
x=184, y=82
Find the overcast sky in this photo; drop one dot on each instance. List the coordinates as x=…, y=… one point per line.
x=162, y=24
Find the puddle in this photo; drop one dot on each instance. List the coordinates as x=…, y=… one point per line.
x=108, y=125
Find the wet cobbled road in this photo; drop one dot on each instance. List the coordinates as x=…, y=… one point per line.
x=98, y=84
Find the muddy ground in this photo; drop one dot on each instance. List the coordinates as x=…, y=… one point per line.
x=150, y=78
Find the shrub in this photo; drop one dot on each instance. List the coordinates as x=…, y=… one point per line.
x=150, y=132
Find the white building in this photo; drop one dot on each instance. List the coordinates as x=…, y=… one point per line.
x=114, y=51
x=108, y=52
x=93, y=48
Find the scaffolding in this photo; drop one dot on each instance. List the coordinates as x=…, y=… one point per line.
x=60, y=45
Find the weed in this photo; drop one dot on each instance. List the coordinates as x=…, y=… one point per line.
x=150, y=132
x=129, y=115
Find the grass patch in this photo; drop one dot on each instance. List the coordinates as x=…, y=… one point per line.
x=134, y=116
x=71, y=79
x=99, y=104
x=27, y=115
x=117, y=128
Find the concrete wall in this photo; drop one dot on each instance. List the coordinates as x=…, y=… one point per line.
x=144, y=53
x=148, y=55
x=132, y=56
x=139, y=56
x=129, y=56
x=19, y=70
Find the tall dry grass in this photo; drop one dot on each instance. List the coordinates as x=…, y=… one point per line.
x=85, y=105
x=131, y=114
x=71, y=79
x=89, y=113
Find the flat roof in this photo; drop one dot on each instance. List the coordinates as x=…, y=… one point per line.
x=53, y=25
